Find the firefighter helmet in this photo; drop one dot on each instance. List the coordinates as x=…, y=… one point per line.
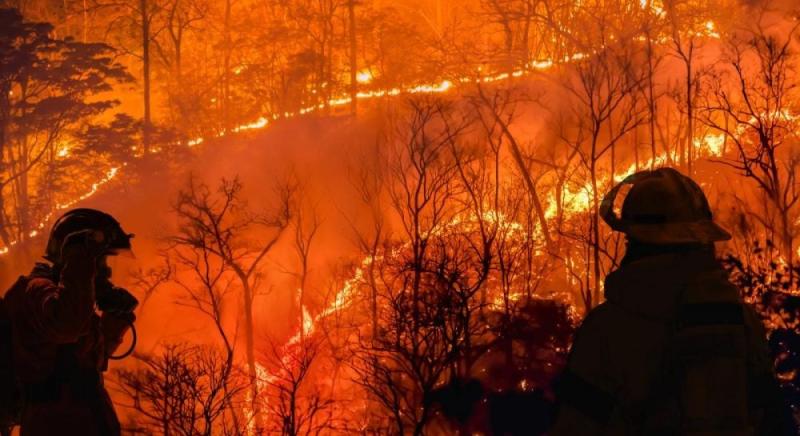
x=114, y=238
x=662, y=207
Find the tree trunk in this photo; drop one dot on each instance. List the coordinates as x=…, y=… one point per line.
x=526, y=177
x=178, y=66
x=351, y=6
x=595, y=238
x=146, y=73
x=595, y=297
x=23, y=200
x=247, y=293
x=374, y=297
x=85, y=21
x=651, y=96
x=636, y=150
x=226, y=67
x=4, y=120
x=689, y=118
x=302, y=298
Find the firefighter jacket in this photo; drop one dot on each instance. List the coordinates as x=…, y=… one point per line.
x=672, y=351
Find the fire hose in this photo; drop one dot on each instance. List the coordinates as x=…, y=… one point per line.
x=119, y=301
x=131, y=348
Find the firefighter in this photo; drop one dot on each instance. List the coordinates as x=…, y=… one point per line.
x=67, y=319
x=673, y=350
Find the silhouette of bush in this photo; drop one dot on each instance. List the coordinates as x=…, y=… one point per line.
x=773, y=287
x=510, y=391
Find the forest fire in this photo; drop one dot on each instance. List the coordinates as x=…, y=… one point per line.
x=262, y=122
x=361, y=217
x=365, y=77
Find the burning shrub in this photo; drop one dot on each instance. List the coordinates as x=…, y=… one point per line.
x=773, y=287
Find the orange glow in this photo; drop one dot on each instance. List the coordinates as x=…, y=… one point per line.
x=577, y=199
x=445, y=162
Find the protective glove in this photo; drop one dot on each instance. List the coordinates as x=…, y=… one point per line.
x=83, y=245
x=115, y=300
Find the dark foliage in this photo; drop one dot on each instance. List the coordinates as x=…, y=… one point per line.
x=50, y=89
x=511, y=392
x=773, y=288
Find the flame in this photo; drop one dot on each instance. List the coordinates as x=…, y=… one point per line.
x=364, y=76
x=711, y=145
x=263, y=378
x=109, y=176
x=257, y=124
x=308, y=321
x=249, y=412
x=710, y=30
x=63, y=149
x=580, y=197
x=542, y=64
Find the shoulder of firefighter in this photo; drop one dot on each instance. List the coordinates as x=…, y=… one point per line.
x=673, y=350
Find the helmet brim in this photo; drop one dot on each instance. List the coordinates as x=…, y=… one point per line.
x=703, y=232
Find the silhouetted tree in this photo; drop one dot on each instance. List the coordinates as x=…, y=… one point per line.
x=49, y=88
x=753, y=103
x=219, y=225
x=182, y=390
x=296, y=403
